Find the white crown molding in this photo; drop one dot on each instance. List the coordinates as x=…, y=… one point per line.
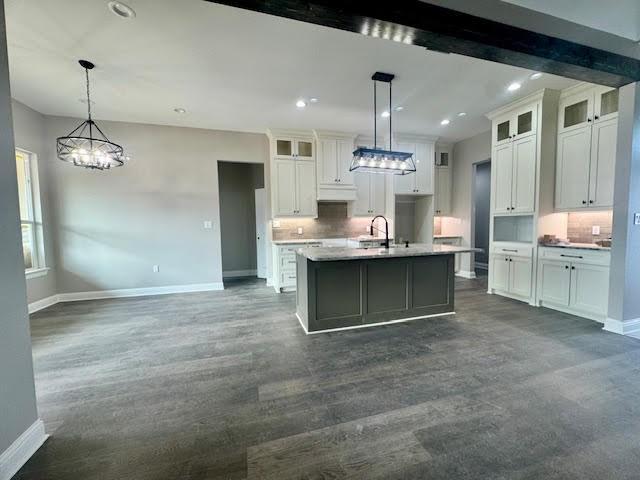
x=333, y=135
x=21, y=450
x=283, y=132
x=533, y=97
x=574, y=89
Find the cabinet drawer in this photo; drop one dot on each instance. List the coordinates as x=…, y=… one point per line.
x=288, y=278
x=512, y=250
x=574, y=255
x=288, y=262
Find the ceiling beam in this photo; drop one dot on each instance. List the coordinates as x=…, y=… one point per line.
x=446, y=30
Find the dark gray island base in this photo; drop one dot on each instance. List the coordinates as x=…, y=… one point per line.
x=352, y=288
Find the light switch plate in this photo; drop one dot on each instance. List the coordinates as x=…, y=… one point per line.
x=595, y=230
x=636, y=219
x=299, y=230
x=156, y=268
x=208, y=224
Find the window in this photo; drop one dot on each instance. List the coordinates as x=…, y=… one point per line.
x=30, y=215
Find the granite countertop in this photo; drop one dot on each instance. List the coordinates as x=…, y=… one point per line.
x=447, y=236
x=294, y=241
x=415, y=250
x=579, y=246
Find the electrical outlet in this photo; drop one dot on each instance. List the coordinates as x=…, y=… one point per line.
x=299, y=230
x=636, y=218
x=595, y=230
x=156, y=268
x=276, y=224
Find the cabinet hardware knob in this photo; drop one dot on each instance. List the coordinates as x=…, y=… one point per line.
x=506, y=259
x=596, y=117
x=573, y=268
x=584, y=202
x=590, y=201
x=588, y=119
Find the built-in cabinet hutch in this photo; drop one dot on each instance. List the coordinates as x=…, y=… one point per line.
x=442, y=180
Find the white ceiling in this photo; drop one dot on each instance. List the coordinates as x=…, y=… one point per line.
x=620, y=17
x=237, y=70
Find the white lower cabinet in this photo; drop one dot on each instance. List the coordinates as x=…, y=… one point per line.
x=284, y=265
x=511, y=274
x=574, y=281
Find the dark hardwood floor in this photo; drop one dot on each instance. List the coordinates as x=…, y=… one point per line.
x=225, y=385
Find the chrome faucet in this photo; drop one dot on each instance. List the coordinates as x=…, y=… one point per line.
x=386, y=229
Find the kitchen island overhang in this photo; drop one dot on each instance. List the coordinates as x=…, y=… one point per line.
x=346, y=288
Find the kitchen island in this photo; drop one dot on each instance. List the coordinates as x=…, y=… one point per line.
x=343, y=288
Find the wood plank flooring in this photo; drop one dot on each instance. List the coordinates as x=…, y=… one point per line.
x=225, y=385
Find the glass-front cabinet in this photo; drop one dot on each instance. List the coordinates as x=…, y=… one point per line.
x=582, y=109
x=518, y=124
x=293, y=148
x=606, y=104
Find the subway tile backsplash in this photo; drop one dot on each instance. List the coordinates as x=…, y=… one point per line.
x=332, y=222
x=579, y=226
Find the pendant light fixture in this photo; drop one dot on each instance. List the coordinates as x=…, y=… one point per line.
x=376, y=160
x=87, y=146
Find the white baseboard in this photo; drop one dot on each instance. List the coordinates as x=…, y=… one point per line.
x=466, y=274
x=628, y=327
x=43, y=303
x=239, y=273
x=21, y=450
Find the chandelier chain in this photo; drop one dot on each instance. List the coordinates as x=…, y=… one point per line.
x=86, y=71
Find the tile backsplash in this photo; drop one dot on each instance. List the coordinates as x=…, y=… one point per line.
x=332, y=222
x=579, y=226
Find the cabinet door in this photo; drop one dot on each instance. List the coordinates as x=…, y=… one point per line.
x=285, y=148
x=305, y=188
x=500, y=272
x=603, y=161
x=284, y=195
x=520, y=276
x=502, y=171
x=405, y=184
x=555, y=279
x=345, y=155
x=424, y=168
x=443, y=191
x=523, y=183
x=576, y=111
x=502, y=130
x=526, y=122
x=606, y=104
x=328, y=162
x=377, y=194
x=362, y=204
x=590, y=288
x=304, y=149
x=572, y=168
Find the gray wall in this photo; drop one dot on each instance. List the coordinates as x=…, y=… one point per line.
x=482, y=198
x=17, y=392
x=465, y=154
x=112, y=227
x=237, y=184
x=29, y=133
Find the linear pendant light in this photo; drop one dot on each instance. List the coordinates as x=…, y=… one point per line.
x=377, y=160
x=86, y=146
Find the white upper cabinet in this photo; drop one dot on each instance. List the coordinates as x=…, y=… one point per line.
x=421, y=181
x=586, y=148
x=293, y=174
x=335, y=152
x=519, y=123
x=442, y=182
x=371, y=191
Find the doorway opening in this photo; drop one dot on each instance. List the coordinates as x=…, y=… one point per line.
x=481, y=213
x=242, y=219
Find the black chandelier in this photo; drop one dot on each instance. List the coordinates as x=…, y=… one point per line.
x=378, y=160
x=87, y=146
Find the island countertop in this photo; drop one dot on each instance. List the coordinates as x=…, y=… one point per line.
x=324, y=254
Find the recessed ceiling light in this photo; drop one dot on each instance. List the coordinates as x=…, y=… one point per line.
x=535, y=76
x=514, y=86
x=399, y=108
x=301, y=104
x=313, y=100
x=462, y=114
x=446, y=121
x=122, y=10
x=385, y=114
x=179, y=110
